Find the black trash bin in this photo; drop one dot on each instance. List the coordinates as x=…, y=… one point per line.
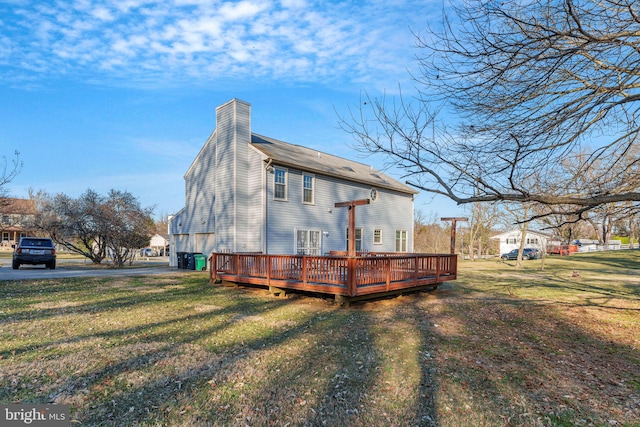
x=182, y=259
x=191, y=263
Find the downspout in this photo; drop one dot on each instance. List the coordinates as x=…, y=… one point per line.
x=265, y=184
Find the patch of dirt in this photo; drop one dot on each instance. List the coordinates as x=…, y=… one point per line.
x=47, y=305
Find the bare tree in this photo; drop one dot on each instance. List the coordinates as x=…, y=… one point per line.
x=522, y=84
x=634, y=226
x=129, y=228
x=566, y=227
x=430, y=234
x=602, y=220
x=483, y=217
x=95, y=226
x=517, y=215
x=162, y=224
x=603, y=217
x=8, y=171
x=77, y=224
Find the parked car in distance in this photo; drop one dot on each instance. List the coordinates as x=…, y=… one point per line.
x=34, y=251
x=148, y=252
x=527, y=253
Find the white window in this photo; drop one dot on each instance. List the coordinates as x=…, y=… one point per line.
x=280, y=184
x=308, y=182
x=532, y=241
x=308, y=242
x=511, y=241
x=358, y=239
x=377, y=236
x=401, y=240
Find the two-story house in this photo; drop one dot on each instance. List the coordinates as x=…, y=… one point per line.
x=15, y=217
x=250, y=193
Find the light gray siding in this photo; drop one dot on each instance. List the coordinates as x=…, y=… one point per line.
x=231, y=170
x=229, y=203
x=254, y=212
x=225, y=207
x=283, y=217
x=178, y=243
x=204, y=243
x=215, y=184
x=242, y=138
x=200, y=191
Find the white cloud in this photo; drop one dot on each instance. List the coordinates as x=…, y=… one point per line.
x=102, y=13
x=172, y=40
x=240, y=10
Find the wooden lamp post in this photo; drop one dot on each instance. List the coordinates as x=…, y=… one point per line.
x=351, y=249
x=454, y=222
x=351, y=233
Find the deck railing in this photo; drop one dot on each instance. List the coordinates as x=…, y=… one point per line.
x=338, y=275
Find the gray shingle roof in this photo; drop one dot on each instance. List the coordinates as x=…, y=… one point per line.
x=299, y=157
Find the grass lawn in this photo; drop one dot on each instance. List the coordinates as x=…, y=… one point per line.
x=499, y=347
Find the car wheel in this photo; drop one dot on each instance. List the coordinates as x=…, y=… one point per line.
x=52, y=265
x=15, y=265
x=504, y=258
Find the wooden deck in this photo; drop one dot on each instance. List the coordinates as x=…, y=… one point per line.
x=347, y=278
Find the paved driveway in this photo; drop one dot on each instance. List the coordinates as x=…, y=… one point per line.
x=79, y=268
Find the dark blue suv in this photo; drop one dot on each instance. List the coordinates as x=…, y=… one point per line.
x=527, y=253
x=34, y=250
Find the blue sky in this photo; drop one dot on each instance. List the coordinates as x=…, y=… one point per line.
x=122, y=93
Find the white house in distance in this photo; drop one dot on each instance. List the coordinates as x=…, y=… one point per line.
x=510, y=240
x=249, y=193
x=159, y=243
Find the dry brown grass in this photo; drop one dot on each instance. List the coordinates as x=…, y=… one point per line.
x=498, y=347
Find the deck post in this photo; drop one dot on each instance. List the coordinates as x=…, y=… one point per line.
x=343, y=301
x=387, y=264
x=213, y=267
x=351, y=276
x=454, y=267
x=305, y=271
x=237, y=257
x=268, y=270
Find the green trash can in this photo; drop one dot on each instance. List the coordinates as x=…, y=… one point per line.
x=200, y=262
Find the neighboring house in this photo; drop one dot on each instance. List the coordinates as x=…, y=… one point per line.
x=160, y=244
x=250, y=193
x=587, y=245
x=15, y=216
x=511, y=240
